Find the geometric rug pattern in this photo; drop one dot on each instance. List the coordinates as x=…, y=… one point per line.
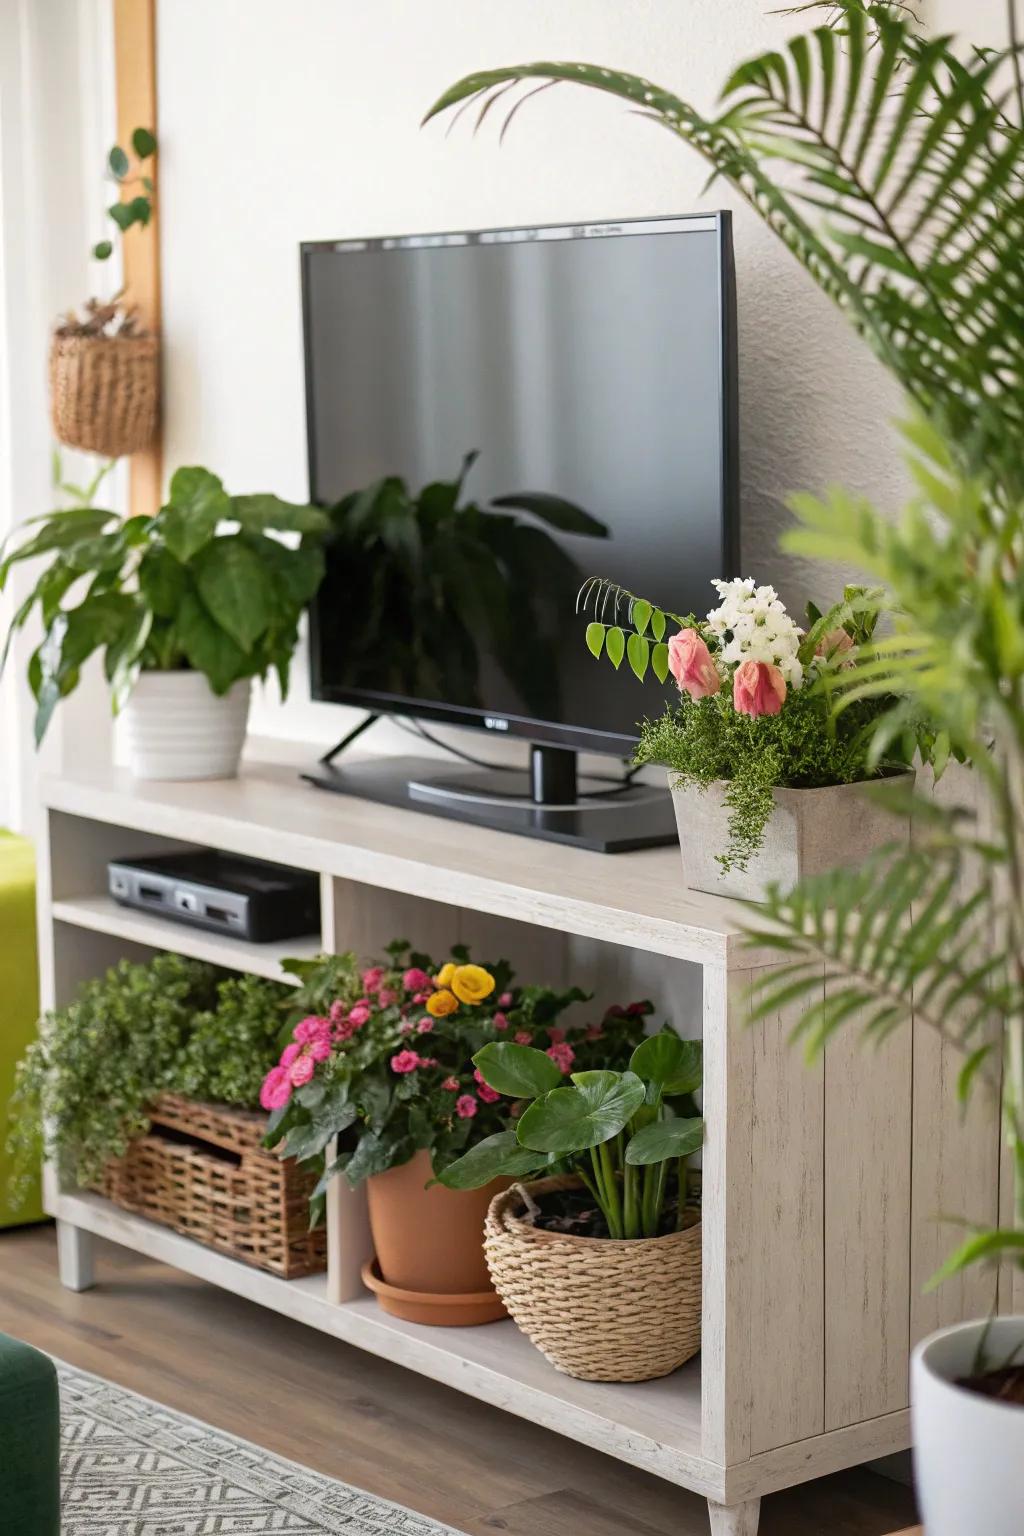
x=130, y=1467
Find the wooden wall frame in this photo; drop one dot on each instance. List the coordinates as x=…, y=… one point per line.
x=135, y=79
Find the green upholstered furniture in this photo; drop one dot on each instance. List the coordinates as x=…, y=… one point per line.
x=19, y=996
x=29, y=1441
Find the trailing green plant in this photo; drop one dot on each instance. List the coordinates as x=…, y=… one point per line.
x=621, y=1132
x=901, y=190
x=753, y=710
x=138, y=208
x=386, y=1063
x=202, y=585
x=422, y=589
x=168, y=1025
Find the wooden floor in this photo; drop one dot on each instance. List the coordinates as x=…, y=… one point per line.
x=370, y=1423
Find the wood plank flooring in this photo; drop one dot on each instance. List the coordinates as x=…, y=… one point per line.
x=367, y=1422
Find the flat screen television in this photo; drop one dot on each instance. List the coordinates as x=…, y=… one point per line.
x=593, y=363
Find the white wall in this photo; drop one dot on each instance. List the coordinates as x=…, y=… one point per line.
x=280, y=123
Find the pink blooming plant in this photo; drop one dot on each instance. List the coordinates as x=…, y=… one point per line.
x=758, y=688
x=563, y=1056
x=692, y=665
x=465, y=1106
x=416, y=980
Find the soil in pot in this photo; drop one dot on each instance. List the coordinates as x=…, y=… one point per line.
x=430, y=1242
x=575, y=1211
x=1005, y=1383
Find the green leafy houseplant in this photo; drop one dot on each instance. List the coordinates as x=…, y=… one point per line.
x=901, y=191
x=168, y=1025
x=176, y=591
x=620, y=1132
x=753, y=709
x=383, y=1060
x=425, y=579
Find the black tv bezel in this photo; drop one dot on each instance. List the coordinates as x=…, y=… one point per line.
x=525, y=727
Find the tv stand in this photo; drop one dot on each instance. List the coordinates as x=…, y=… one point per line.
x=548, y=800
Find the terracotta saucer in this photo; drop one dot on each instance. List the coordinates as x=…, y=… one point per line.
x=433, y=1307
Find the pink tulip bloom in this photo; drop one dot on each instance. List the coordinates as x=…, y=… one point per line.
x=758, y=688
x=276, y=1089
x=465, y=1106
x=692, y=666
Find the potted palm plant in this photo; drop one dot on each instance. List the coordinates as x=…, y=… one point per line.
x=187, y=611
x=901, y=194
x=599, y=1260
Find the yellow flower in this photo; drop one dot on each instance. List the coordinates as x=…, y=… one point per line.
x=471, y=983
x=446, y=974
x=441, y=1003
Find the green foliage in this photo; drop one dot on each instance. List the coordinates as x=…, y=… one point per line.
x=169, y=592
x=168, y=1025
x=606, y=1126
x=425, y=578
x=137, y=208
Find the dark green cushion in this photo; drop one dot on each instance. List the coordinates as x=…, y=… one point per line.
x=29, y=1441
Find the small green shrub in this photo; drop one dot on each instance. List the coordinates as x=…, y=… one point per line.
x=231, y=1046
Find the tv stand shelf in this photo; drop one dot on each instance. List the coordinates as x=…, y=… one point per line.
x=819, y=1182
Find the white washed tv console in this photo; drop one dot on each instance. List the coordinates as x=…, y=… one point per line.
x=820, y=1183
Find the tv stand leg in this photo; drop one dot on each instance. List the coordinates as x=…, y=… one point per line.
x=346, y=741
x=734, y=1519
x=75, y=1257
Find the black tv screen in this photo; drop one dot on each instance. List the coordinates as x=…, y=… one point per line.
x=595, y=364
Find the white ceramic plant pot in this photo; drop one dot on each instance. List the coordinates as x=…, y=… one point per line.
x=968, y=1449
x=176, y=727
x=809, y=831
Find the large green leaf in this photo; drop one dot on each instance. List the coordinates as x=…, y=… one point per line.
x=236, y=588
x=162, y=581
x=497, y=1156
x=263, y=511
x=329, y=1119
x=596, y=1108
x=555, y=511
x=209, y=648
x=664, y=1139
x=198, y=502
x=672, y=1063
x=63, y=530
x=520, y=1071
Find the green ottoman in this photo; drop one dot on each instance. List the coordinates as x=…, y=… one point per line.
x=29, y=1441
x=19, y=997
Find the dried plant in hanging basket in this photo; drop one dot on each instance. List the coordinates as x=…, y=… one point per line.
x=104, y=381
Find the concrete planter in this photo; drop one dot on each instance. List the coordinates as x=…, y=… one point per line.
x=968, y=1449
x=809, y=831
x=176, y=727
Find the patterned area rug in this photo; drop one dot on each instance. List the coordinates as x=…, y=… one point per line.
x=130, y=1467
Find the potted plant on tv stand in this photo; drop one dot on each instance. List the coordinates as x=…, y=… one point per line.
x=391, y=1076
x=185, y=610
x=598, y=1260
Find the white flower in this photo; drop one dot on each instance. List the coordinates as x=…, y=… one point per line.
x=753, y=625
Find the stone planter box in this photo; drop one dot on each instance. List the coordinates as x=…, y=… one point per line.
x=809, y=831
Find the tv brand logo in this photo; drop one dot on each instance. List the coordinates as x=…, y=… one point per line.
x=495, y=723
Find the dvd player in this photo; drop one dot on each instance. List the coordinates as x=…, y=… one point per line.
x=222, y=892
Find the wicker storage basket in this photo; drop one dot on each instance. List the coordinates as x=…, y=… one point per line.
x=105, y=392
x=598, y=1309
x=201, y=1169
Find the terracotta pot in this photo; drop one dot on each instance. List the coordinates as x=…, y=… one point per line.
x=430, y=1243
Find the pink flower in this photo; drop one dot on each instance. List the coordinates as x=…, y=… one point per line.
x=594, y=1032
x=488, y=1094
x=405, y=1061
x=358, y=1015
x=385, y=997
x=416, y=980
x=465, y=1106
x=320, y=1048
x=425, y=1025
x=336, y=1012
x=517, y=1109
x=429, y=1061
x=563, y=1056
x=289, y=1054
x=450, y=1085
x=276, y=1089
x=522, y=1037
x=302, y=1069
x=407, y=1028
x=500, y=1022
x=836, y=643
x=505, y=1000
x=420, y=997
x=691, y=665
x=638, y=1010
x=758, y=688
x=373, y=977
x=311, y=1028
x=557, y=1035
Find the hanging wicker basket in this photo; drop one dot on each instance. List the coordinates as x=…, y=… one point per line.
x=597, y=1308
x=105, y=391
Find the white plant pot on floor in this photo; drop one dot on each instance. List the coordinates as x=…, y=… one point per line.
x=968, y=1449
x=809, y=831
x=176, y=727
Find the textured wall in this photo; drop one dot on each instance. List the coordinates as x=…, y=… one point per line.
x=288, y=122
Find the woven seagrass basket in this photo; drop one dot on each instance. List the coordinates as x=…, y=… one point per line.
x=202, y=1170
x=105, y=392
x=597, y=1308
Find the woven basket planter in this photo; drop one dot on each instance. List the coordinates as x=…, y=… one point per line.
x=201, y=1169
x=597, y=1308
x=105, y=392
